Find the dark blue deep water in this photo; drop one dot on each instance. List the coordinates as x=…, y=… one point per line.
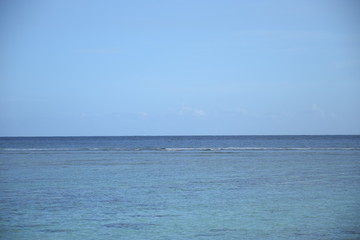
x=180, y=188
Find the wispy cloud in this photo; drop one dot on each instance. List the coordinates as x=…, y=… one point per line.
x=142, y=114
x=317, y=110
x=245, y=112
x=185, y=110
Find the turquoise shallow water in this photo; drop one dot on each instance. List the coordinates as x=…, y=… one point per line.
x=274, y=187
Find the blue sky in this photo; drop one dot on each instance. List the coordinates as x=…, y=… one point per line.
x=179, y=67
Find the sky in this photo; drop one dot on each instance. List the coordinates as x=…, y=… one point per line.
x=179, y=67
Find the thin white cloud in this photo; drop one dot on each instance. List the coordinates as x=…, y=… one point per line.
x=245, y=112
x=185, y=110
x=317, y=110
x=142, y=114
x=198, y=112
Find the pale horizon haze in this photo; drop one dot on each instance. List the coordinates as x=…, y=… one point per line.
x=179, y=67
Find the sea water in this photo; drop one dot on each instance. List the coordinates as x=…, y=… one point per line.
x=180, y=188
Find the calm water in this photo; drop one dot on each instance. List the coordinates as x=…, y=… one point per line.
x=180, y=188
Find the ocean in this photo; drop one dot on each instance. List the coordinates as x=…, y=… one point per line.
x=180, y=188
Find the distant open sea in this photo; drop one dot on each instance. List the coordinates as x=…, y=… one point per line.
x=180, y=188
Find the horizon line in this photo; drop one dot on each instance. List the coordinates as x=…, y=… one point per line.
x=181, y=135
